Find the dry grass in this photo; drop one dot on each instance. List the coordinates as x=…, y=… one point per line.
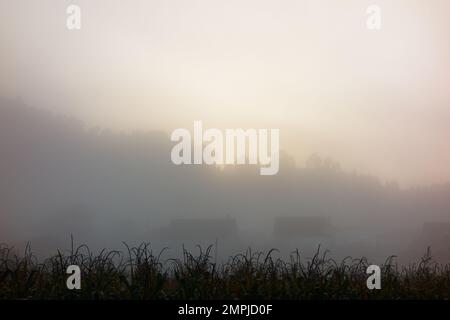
x=139, y=273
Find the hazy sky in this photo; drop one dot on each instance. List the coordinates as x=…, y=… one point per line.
x=376, y=101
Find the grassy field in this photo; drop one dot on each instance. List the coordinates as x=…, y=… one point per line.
x=139, y=273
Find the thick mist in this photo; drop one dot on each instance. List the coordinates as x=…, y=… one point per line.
x=60, y=177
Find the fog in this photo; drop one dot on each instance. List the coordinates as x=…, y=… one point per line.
x=62, y=178
x=363, y=115
x=373, y=100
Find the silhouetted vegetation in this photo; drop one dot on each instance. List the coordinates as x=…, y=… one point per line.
x=60, y=176
x=139, y=273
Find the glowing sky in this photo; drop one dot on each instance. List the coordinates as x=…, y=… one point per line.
x=376, y=101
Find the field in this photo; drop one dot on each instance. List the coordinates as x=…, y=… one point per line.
x=139, y=273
